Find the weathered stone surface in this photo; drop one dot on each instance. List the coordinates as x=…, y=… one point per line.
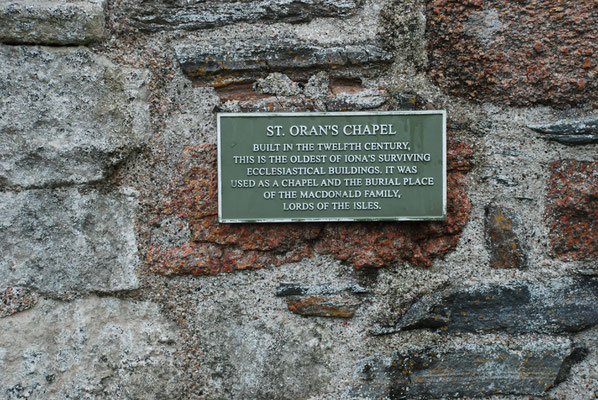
x=249, y=102
x=559, y=306
x=278, y=93
x=277, y=84
x=504, y=238
x=581, y=131
x=317, y=86
x=323, y=306
x=15, y=299
x=57, y=22
x=466, y=369
x=212, y=248
x=405, y=28
x=155, y=15
x=66, y=115
x=248, y=345
x=518, y=53
x=238, y=60
x=572, y=209
x=89, y=348
x=364, y=99
x=57, y=241
x=294, y=289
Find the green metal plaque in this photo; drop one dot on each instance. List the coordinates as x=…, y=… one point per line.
x=353, y=166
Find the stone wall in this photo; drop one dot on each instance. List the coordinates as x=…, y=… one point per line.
x=117, y=281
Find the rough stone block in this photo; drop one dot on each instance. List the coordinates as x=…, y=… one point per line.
x=66, y=116
x=520, y=53
x=572, y=132
x=317, y=86
x=56, y=22
x=56, y=241
x=238, y=60
x=504, y=238
x=572, y=209
x=88, y=349
x=559, y=306
x=466, y=369
x=247, y=347
x=156, y=15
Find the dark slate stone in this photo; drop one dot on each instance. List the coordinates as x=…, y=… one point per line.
x=257, y=57
x=559, y=306
x=578, y=354
x=295, y=289
x=504, y=238
x=159, y=15
x=569, y=127
x=465, y=370
x=407, y=101
x=574, y=140
x=572, y=132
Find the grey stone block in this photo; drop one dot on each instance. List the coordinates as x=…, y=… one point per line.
x=558, y=306
x=56, y=241
x=466, y=369
x=57, y=22
x=156, y=15
x=66, y=116
x=291, y=56
x=93, y=348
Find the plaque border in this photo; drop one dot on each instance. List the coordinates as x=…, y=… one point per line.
x=333, y=219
